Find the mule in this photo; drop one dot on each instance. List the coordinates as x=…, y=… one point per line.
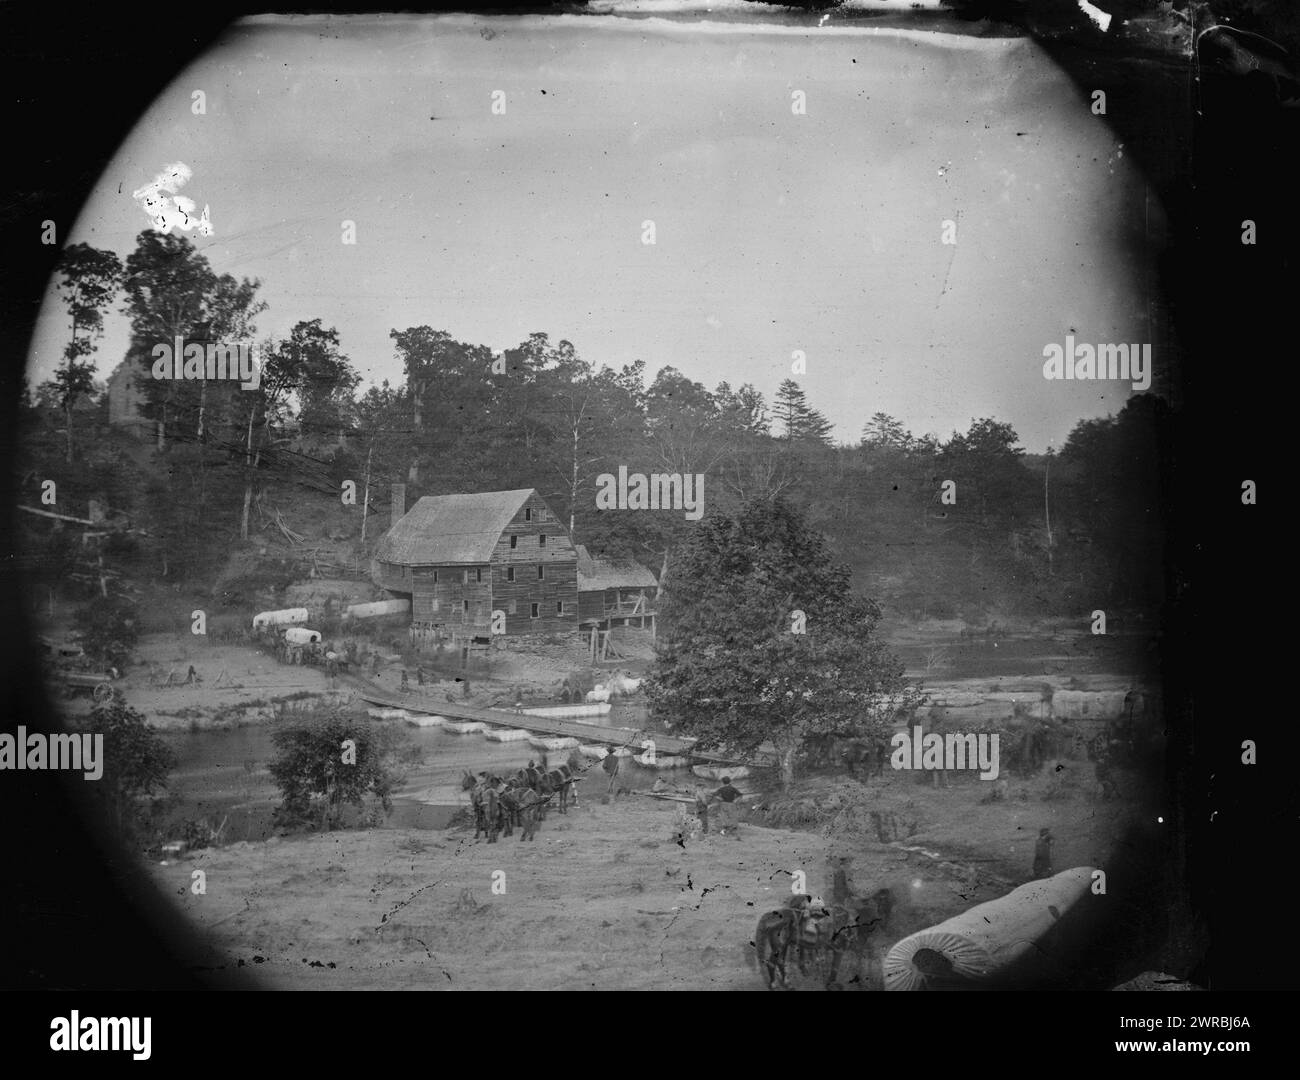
x=511, y=812
x=560, y=781
x=531, y=809
x=871, y=754
x=775, y=933
x=829, y=935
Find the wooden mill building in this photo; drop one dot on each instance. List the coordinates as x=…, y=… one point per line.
x=614, y=592
x=459, y=558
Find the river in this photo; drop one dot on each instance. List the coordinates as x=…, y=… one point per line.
x=224, y=775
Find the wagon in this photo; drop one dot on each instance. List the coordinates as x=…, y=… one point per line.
x=302, y=646
x=100, y=686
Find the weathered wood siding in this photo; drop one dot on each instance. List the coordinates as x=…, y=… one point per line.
x=600, y=603
x=395, y=577
x=591, y=604
x=441, y=593
x=557, y=557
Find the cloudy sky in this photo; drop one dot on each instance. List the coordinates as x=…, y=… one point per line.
x=774, y=232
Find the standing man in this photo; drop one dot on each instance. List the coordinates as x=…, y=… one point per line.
x=610, y=765
x=577, y=766
x=702, y=809
x=1043, y=854
x=728, y=796
x=477, y=798
x=530, y=807
x=840, y=891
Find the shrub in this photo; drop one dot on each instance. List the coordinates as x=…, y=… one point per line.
x=324, y=762
x=109, y=631
x=136, y=761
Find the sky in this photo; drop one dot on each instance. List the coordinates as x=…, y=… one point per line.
x=774, y=232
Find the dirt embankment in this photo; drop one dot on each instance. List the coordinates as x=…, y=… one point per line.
x=605, y=898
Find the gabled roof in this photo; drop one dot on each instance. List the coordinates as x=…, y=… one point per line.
x=448, y=529
x=594, y=574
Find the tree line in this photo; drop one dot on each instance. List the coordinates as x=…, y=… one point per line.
x=951, y=527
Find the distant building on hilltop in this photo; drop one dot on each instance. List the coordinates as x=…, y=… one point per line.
x=459, y=558
x=126, y=398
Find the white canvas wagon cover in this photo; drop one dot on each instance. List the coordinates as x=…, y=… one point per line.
x=280, y=618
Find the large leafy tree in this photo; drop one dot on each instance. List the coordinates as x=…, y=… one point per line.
x=323, y=379
x=885, y=432
x=1114, y=494
x=329, y=761
x=171, y=291
x=136, y=762
x=89, y=280
x=167, y=284
x=730, y=667
x=446, y=382
x=994, y=491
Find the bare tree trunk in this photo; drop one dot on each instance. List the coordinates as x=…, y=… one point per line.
x=572, y=482
x=365, y=498
x=787, y=767
x=248, y=478
x=67, y=404
x=1047, y=514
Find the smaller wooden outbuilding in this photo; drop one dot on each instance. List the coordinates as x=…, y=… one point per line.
x=614, y=592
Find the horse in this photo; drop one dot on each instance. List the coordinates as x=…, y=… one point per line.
x=829, y=934
x=872, y=753
x=775, y=933
x=531, y=808
x=511, y=810
x=560, y=780
x=599, y=694
x=469, y=782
